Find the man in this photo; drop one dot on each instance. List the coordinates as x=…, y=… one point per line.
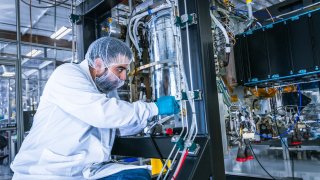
x=75, y=125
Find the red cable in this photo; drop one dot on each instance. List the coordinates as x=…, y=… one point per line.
x=179, y=168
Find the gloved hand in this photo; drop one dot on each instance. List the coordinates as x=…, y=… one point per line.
x=167, y=105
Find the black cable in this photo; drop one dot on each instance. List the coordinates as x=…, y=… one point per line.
x=286, y=146
x=55, y=5
x=158, y=149
x=255, y=156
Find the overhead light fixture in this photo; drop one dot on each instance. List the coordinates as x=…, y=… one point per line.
x=8, y=74
x=34, y=53
x=60, y=33
x=64, y=33
x=57, y=33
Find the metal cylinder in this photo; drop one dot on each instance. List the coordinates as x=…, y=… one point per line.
x=163, y=52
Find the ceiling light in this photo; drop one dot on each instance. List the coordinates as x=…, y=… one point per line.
x=57, y=33
x=8, y=74
x=34, y=53
x=64, y=33
x=60, y=33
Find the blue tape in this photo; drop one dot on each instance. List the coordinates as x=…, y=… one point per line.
x=275, y=76
x=248, y=32
x=302, y=71
x=269, y=26
x=281, y=78
x=254, y=80
x=290, y=18
x=294, y=18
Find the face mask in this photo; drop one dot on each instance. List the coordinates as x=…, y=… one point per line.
x=108, y=82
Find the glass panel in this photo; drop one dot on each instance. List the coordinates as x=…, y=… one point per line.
x=35, y=74
x=8, y=50
x=35, y=63
x=7, y=94
x=46, y=71
x=64, y=55
x=7, y=116
x=32, y=51
x=60, y=55
x=8, y=15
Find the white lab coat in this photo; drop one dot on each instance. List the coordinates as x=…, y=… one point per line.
x=75, y=127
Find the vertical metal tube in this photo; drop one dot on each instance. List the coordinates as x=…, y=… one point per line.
x=130, y=6
x=188, y=47
x=205, y=78
x=73, y=40
x=11, y=155
x=191, y=77
x=55, y=28
x=8, y=99
x=130, y=14
x=39, y=87
x=27, y=93
x=250, y=13
x=18, y=79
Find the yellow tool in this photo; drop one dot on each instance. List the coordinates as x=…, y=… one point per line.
x=157, y=165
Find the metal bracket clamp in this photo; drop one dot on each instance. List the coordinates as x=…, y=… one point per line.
x=167, y=61
x=186, y=18
x=194, y=149
x=75, y=19
x=178, y=141
x=195, y=95
x=181, y=144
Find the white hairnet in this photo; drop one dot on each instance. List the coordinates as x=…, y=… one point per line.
x=110, y=50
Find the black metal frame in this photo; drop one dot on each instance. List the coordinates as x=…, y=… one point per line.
x=209, y=162
x=91, y=13
x=204, y=77
x=278, y=60
x=282, y=8
x=195, y=167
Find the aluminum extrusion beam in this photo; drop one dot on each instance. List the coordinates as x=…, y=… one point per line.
x=204, y=77
x=18, y=79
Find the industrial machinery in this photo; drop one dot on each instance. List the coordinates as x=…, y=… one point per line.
x=247, y=83
x=163, y=36
x=267, y=69
x=163, y=53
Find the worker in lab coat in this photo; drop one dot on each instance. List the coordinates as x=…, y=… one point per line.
x=76, y=123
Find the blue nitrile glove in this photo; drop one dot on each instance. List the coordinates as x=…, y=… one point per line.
x=167, y=105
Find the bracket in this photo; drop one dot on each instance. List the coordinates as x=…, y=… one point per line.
x=186, y=18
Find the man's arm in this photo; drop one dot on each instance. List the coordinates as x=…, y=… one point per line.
x=73, y=91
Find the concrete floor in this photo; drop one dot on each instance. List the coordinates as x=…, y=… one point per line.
x=274, y=164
